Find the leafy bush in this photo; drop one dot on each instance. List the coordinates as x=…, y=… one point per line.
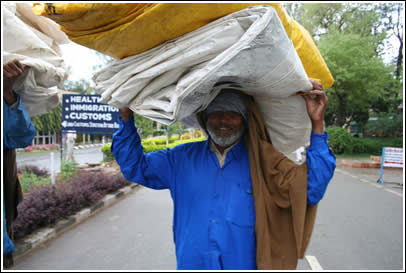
x=68, y=168
x=385, y=124
x=149, y=148
x=159, y=133
x=154, y=141
x=106, y=150
x=33, y=169
x=47, y=204
x=29, y=181
x=41, y=147
x=374, y=146
x=340, y=141
x=153, y=145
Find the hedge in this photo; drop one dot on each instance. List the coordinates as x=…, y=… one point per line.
x=340, y=141
x=152, y=145
x=45, y=205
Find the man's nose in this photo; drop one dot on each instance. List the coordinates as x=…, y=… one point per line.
x=224, y=117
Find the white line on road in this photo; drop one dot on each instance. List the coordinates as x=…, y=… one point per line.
x=314, y=263
x=396, y=193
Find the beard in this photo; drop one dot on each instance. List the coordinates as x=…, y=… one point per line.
x=225, y=141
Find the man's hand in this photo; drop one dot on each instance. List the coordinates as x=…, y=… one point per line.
x=316, y=106
x=11, y=71
x=126, y=113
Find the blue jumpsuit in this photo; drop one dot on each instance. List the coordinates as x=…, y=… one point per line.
x=214, y=215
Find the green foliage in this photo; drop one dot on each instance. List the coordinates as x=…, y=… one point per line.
x=106, y=150
x=145, y=125
x=340, y=141
x=81, y=86
x=49, y=122
x=373, y=146
x=68, y=169
x=29, y=181
x=386, y=124
x=152, y=145
x=359, y=75
x=351, y=38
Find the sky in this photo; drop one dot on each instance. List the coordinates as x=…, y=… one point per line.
x=81, y=59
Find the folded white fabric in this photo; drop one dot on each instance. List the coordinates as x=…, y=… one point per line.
x=247, y=50
x=34, y=41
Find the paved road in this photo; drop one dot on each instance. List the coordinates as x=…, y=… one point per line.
x=359, y=227
x=82, y=156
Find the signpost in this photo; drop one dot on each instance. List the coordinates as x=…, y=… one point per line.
x=391, y=157
x=84, y=114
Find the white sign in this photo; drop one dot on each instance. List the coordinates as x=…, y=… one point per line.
x=393, y=157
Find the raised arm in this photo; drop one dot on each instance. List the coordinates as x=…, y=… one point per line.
x=320, y=160
x=18, y=128
x=153, y=170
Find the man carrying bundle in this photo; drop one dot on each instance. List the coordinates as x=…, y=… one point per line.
x=238, y=203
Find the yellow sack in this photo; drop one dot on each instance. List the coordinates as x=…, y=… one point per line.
x=126, y=29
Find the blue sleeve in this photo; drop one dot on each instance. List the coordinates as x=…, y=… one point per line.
x=152, y=170
x=18, y=128
x=8, y=246
x=321, y=164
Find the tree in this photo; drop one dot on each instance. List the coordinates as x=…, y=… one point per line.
x=360, y=76
x=50, y=122
x=81, y=86
x=352, y=38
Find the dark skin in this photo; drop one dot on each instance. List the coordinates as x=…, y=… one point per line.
x=226, y=122
x=11, y=71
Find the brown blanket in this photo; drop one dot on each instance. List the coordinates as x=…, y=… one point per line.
x=284, y=221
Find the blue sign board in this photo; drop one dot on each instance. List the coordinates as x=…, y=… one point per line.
x=84, y=114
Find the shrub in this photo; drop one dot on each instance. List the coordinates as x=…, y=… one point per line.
x=174, y=138
x=159, y=133
x=106, y=150
x=154, y=145
x=41, y=147
x=187, y=136
x=33, y=169
x=47, y=204
x=68, y=169
x=374, y=146
x=29, y=181
x=148, y=148
x=154, y=141
x=340, y=140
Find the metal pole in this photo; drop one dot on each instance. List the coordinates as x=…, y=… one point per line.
x=52, y=168
x=61, y=150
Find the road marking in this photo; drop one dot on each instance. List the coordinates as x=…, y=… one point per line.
x=377, y=186
x=314, y=263
x=396, y=193
x=364, y=180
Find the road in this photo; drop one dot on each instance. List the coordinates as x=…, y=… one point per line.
x=82, y=156
x=359, y=226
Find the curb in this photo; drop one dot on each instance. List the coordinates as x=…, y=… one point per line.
x=78, y=147
x=42, y=235
x=360, y=164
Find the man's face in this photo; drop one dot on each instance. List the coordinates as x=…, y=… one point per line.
x=225, y=127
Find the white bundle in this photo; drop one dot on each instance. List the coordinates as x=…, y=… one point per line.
x=247, y=50
x=34, y=41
